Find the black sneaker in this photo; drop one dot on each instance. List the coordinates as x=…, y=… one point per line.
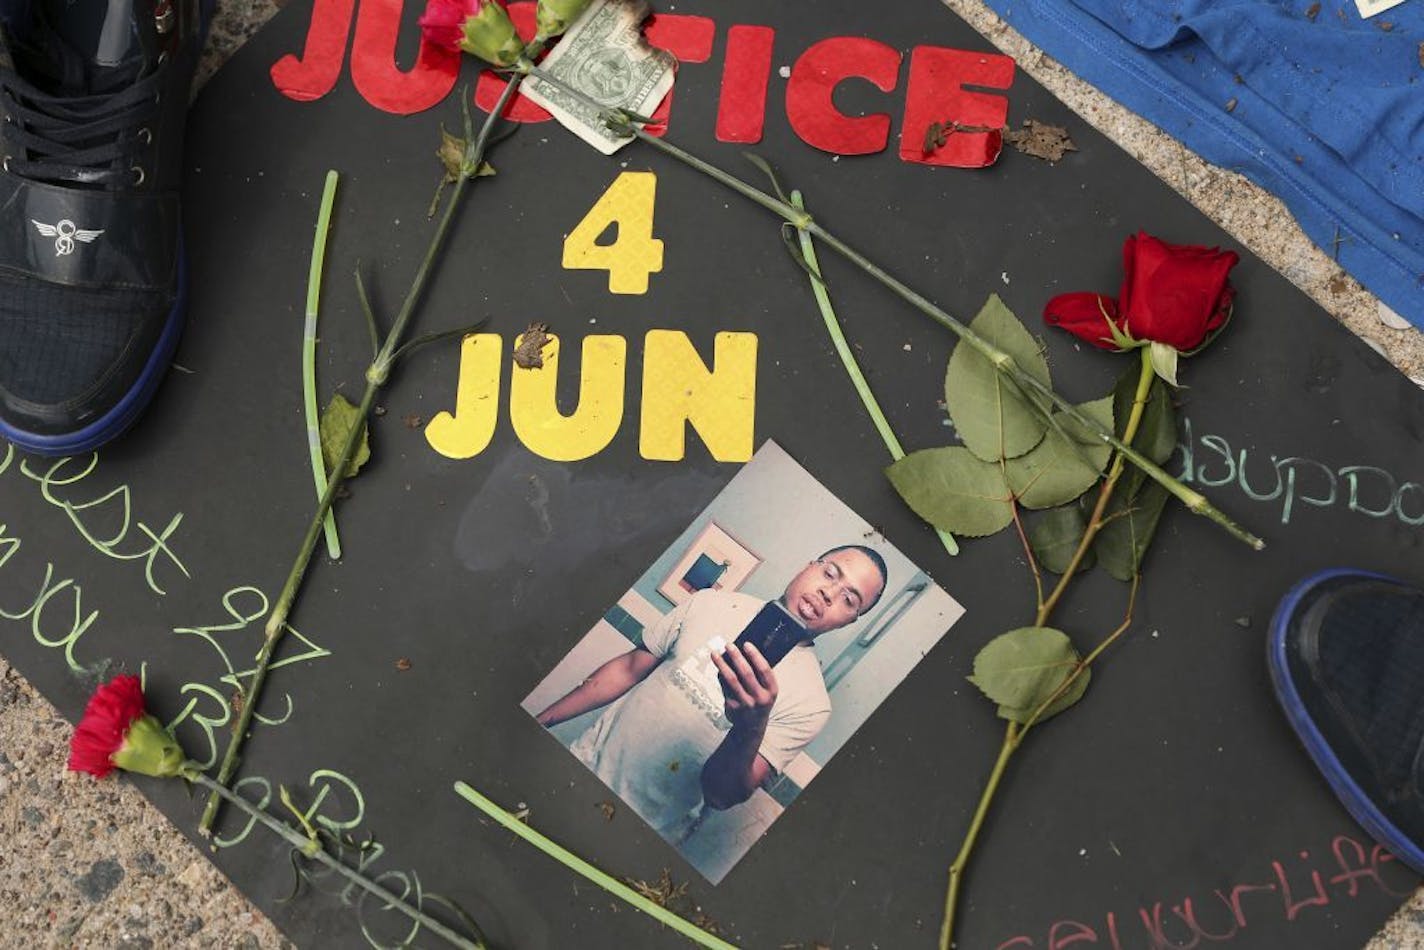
x=1347, y=662
x=93, y=285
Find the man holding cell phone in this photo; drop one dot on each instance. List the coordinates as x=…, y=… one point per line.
x=724, y=692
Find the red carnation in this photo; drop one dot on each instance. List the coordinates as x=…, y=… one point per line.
x=116, y=731
x=443, y=21
x=479, y=27
x=1172, y=294
x=111, y=710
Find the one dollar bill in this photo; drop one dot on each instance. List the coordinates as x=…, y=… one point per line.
x=605, y=56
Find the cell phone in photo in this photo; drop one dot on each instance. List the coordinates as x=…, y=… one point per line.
x=773, y=632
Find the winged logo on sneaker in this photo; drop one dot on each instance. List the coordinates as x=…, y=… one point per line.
x=65, y=234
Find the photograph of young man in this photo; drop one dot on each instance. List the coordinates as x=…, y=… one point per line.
x=692, y=718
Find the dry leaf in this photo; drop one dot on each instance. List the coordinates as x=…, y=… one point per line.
x=608, y=809
x=939, y=132
x=337, y=420
x=663, y=892
x=403, y=664
x=452, y=159
x=1312, y=12
x=1041, y=140
x=529, y=354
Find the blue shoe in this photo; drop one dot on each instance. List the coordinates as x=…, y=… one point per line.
x=1346, y=655
x=93, y=289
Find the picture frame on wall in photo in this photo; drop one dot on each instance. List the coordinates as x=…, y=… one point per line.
x=714, y=560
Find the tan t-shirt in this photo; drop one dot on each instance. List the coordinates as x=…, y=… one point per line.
x=649, y=745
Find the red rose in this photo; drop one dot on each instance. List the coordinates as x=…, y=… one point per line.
x=116, y=731
x=1173, y=294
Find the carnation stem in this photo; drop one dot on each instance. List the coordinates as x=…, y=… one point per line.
x=309, y=406
x=376, y=376
x=578, y=865
x=852, y=365
x=1003, y=362
x=303, y=844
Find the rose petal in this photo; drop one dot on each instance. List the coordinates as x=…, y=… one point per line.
x=1175, y=292
x=1085, y=315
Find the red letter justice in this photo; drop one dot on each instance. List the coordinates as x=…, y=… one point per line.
x=315, y=74
x=937, y=94
x=811, y=88
x=745, y=72
x=373, y=68
x=373, y=63
x=934, y=91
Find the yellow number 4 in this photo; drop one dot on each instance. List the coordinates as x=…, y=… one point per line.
x=627, y=206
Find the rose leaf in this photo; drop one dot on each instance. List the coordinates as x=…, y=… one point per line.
x=1071, y=695
x=992, y=417
x=1055, y=536
x=1059, y=468
x=1123, y=540
x=1021, y=669
x=953, y=490
x=1100, y=411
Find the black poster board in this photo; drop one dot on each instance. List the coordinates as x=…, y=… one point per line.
x=1175, y=791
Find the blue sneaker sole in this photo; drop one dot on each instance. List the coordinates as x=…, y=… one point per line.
x=127, y=410
x=1356, y=802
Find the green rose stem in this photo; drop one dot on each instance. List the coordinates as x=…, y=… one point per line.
x=852, y=366
x=1014, y=733
x=1095, y=523
x=577, y=864
x=310, y=847
x=1003, y=362
x=376, y=376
